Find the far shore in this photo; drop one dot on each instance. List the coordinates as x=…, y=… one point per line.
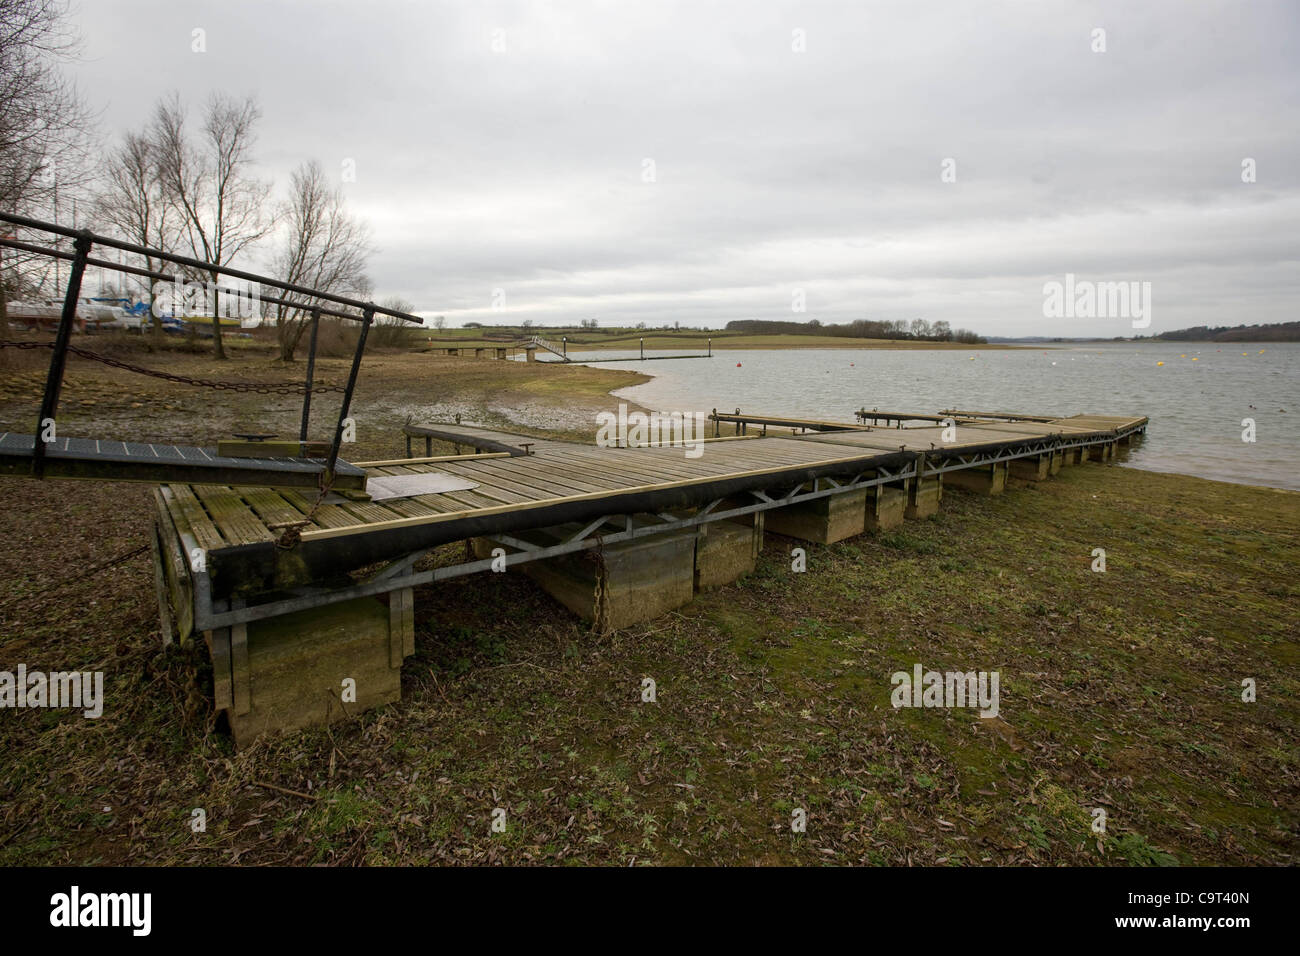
x=687, y=341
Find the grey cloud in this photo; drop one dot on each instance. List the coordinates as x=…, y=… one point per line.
x=522, y=169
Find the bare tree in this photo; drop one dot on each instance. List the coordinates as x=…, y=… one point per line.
x=222, y=208
x=324, y=247
x=44, y=124
x=133, y=205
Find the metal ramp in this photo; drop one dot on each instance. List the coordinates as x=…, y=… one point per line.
x=112, y=460
x=562, y=350
x=163, y=464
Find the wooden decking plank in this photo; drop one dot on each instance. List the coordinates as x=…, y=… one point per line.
x=772, y=450
x=582, y=477
x=634, y=463
x=270, y=506
x=185, y=507
x=498, y=486
x=411, y=507
x=326, y=516
x=368, y=512
x=230, y=513
x=549, y=478
x=457, y=502
x=470, y=501
x=643, y=466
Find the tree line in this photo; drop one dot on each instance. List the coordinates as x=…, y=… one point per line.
x=916, y=329
x=181, y=183
x=1273, y=332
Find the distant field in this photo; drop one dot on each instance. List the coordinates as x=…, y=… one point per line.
x=623, y=339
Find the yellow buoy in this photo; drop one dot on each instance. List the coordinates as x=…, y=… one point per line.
x=1195, y=359
x=1160, y=363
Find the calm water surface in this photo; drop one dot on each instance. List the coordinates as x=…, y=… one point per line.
x=1196, y=401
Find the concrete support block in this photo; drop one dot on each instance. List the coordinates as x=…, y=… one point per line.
x=624, y=583
x=985, y=480
x=1036, y=468
x=924, y=496
x=822, y=520
x=887, y=506
x=1069, y=456
x=1056, y=461
x=291, y=672
x=727, y=550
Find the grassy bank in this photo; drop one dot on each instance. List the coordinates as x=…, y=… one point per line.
x=1120, y=691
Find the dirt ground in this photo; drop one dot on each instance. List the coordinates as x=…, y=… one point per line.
x=1121, y=691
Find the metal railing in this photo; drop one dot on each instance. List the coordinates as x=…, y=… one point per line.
x=317, y=303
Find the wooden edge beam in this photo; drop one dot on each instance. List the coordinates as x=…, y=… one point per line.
x=391, y=462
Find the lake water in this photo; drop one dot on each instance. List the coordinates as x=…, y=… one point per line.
x=1196, y=401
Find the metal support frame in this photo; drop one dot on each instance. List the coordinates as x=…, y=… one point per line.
x=311, y=373
x=398, y=574
x=367, y=317
x=59, y=360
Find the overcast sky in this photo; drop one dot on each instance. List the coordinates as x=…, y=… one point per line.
x=507, y=146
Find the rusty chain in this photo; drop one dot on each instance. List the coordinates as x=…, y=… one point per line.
x=600, y=596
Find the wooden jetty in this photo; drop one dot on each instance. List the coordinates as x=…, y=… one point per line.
x=309, y=625
x=560, y=350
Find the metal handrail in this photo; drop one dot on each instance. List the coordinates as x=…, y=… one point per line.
x=199, y=264
x=84, y=239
